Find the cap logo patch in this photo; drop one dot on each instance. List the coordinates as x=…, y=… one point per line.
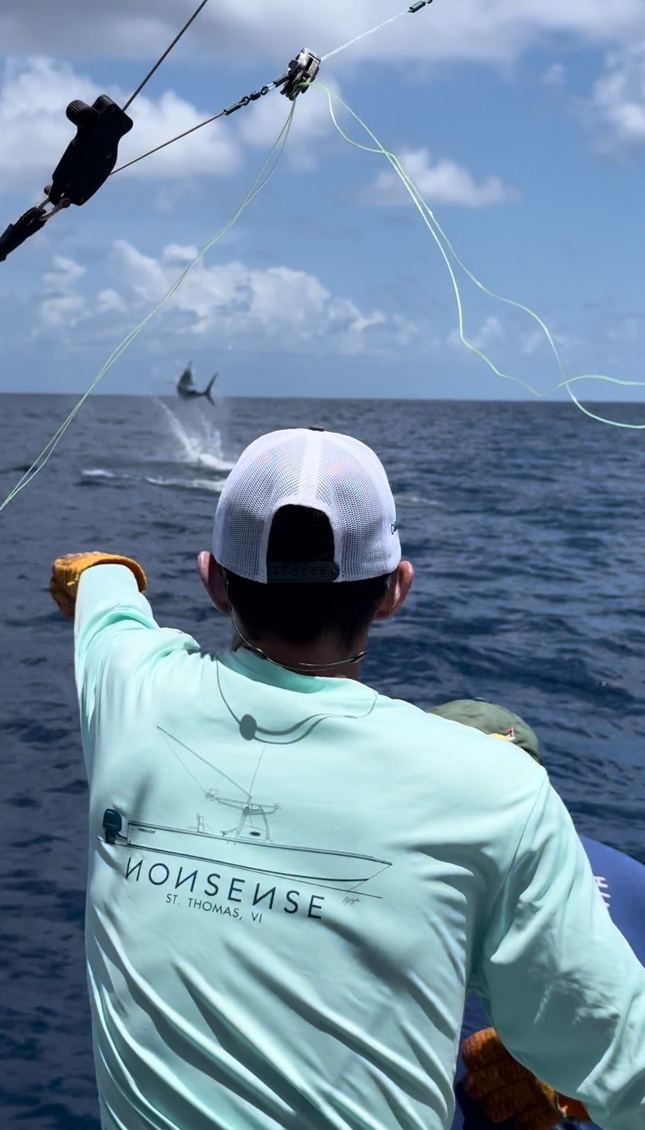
x=301, y=572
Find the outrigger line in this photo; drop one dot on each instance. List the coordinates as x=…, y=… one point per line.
x=90, y=158
x=300, y=75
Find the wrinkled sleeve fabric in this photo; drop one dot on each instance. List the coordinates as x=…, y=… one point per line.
x=562, y=986
x=116, y=641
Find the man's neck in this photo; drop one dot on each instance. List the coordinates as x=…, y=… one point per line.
x=326, y=657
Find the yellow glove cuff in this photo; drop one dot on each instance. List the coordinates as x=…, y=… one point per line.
x=549, y=1094
x=68, y=569
x=566, y=1107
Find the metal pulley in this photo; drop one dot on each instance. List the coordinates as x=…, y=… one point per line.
x=302, y=72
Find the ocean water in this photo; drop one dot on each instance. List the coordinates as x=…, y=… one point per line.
x=525, y=526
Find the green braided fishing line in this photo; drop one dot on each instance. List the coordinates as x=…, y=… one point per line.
x=448, y=252
x=261, y=180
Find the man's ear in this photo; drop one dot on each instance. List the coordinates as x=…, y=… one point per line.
x=398, y=588
x=213, y=581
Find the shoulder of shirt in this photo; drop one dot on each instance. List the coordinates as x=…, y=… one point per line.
x=485, y=752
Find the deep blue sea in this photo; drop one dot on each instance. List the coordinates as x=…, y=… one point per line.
x=525, y=523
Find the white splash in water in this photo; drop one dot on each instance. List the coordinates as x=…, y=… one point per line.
x=213, y=486
x=202, y=450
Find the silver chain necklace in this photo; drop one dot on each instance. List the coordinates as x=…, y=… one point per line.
x=301, y=666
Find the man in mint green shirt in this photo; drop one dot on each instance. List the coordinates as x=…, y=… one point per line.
x=293, y=880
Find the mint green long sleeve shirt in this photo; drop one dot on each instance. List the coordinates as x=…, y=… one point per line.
x=294, y=881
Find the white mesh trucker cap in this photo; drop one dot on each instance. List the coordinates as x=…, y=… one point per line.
x=321, y=470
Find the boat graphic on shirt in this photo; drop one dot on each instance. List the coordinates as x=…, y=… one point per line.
x=246, y=845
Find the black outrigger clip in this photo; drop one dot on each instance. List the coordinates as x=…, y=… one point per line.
x=302, y=72
x=84, y=167
x=90, y=158
x=29, y=223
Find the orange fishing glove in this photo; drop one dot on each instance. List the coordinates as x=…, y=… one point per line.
x=506, y=1090
x=67, y=570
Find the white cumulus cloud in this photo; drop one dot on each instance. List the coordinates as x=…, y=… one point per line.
x=34, y=131
x=490, y=331
x=271, y=309
x=440, y=182
x=618, y=100
x=269, y=34
x=64, y=304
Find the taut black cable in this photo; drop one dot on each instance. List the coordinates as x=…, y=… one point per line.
x=171, y=141
x=165, y=54
x=411, y=10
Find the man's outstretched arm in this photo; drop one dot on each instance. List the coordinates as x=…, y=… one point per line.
x=563, y=988
x=117, y=640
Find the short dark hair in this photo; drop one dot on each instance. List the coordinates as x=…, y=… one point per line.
x=302, y=613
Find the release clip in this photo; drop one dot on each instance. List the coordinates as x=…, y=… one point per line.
x=302, y=72
x=84, y=167
x=91, y=156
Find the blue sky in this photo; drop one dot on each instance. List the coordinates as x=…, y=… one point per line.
x=523, y=126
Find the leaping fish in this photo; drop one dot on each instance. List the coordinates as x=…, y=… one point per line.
x=186, y=385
